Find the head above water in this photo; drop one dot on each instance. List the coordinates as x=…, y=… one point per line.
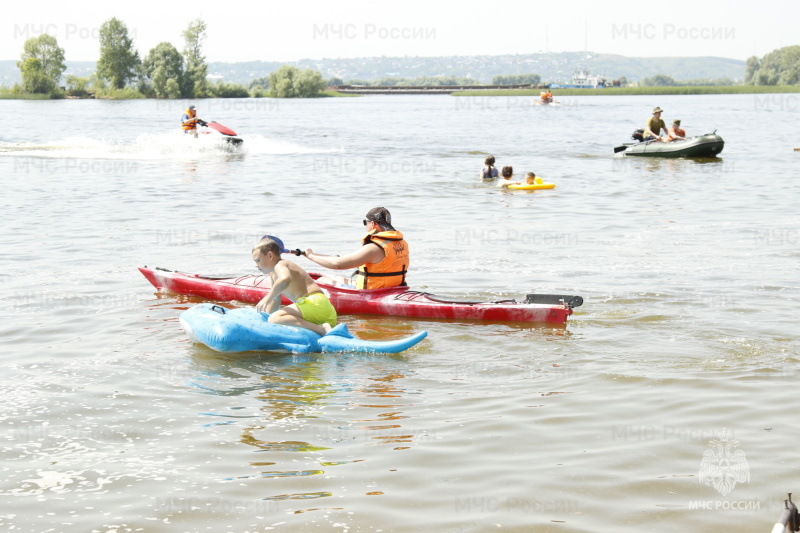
x=489, y=161
x=380, y=216
x=508, y=172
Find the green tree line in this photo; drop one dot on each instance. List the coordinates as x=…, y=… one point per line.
x=513, y=79
x=779, y=67
x=662, y=80
x=164, y=72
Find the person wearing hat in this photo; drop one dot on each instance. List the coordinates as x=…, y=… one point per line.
x=311, y=308
x=675, y=132
x=382, y=261
x=189, y=121
x=654, y=126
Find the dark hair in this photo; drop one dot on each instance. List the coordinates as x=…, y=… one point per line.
x=380, y=216
x=508, y=172
x=489, y=160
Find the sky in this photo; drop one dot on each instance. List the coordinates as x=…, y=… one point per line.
x=315, y=29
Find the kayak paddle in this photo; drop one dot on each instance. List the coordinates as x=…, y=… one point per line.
x=550, y=299
x=283, y=248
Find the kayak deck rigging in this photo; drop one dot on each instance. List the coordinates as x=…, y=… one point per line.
x=390, y=301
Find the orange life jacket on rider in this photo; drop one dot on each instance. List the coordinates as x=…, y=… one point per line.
x=391, y=271
x=189, y=123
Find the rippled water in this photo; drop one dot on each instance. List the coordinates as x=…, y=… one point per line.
x=114, y=421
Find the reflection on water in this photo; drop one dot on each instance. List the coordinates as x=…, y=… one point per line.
x=113, y=420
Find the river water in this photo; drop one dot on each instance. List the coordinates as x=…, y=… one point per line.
x=667, y=403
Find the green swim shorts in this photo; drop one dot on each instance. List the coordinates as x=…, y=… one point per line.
x=317, y=309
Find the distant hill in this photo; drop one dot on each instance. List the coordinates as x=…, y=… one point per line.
x=552, y=67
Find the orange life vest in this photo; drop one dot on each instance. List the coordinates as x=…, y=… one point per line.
x=189, y=122
x=391, y=272
x=674, y=133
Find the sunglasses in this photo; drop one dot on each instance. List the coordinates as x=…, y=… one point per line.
x=366, y=221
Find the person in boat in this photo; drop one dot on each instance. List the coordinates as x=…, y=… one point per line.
x=489, y=172
x=546, y=96
x=675, y=132
x=382, y=261
x=508, y=173
x=652, y=131
x=189, y=121
x=311, y=308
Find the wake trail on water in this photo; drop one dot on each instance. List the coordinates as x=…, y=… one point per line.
x=157, y=146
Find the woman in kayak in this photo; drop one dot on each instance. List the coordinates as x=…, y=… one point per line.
x=489, y=172
x=382, y=260
x=311, y=308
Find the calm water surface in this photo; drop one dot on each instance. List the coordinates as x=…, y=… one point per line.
x=685, y=348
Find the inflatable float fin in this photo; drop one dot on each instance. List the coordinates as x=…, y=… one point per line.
x=340, y=330
x=245, y=329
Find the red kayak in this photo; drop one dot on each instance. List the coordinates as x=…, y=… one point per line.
x=393, y=301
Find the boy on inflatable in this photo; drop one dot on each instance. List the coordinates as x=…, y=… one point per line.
x=311, y=308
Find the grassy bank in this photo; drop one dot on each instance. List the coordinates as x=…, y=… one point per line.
x=9, y=94
x=128, y=94
x=336, y=94
x=627, y=91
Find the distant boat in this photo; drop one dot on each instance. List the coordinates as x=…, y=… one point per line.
x=582, y=80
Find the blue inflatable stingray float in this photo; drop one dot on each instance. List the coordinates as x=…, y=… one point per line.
x=245, y=329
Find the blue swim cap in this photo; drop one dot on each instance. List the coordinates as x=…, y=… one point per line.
x=278, y=242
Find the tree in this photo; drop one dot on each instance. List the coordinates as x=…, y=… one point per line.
x=659, y=80
x=164, y=66
x=118, y=61
x=228, y=90
x=779, y=67
x=34, y=79
x=517, y=79
x=750, y=68
x=290, y=82
x=262, y=83
x=76, y=85
x=196, y=67
x=42, y=64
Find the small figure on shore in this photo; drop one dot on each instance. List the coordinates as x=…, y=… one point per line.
x=489, y=172
x=652, y=131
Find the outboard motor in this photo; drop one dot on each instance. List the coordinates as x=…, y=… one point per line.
x=638, y=135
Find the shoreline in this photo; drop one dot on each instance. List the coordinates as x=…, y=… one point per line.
x=634, y=91
x=32, y=96
x=442, y=90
